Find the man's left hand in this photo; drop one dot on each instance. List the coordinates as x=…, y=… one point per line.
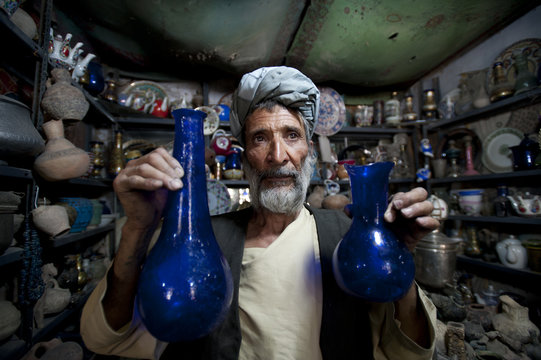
x=409, y=215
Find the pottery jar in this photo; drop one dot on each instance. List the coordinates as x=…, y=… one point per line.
x=10, y=319
x=511, y=253
x=61, y=160
x=63, y=101
x=51, y=219
x=55, y=298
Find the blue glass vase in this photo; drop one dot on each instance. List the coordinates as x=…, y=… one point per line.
x=185, y=288
x=370, y=262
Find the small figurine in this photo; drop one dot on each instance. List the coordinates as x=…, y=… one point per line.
x=426, y=147
x=423, y=174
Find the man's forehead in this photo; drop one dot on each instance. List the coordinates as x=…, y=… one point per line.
x=278, y=116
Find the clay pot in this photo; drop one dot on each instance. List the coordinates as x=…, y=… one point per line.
x=53, y=300
x=337, y=202
x=315, y=199
x=61, y=160
x=55, y=349
x=63, y=101
x=10, y=319
x=51, y=219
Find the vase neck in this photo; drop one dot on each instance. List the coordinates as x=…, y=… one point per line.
x=53, y=129
x=189, y=150
x=369, y=189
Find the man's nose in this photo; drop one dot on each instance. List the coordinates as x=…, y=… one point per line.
x=277, y=152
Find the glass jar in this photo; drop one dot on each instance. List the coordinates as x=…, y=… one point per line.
x=392, y=110
x=525, y=79
x=409, y=113
x=429, y=104
x=502, y=205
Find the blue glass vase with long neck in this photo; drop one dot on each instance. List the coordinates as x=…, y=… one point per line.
x=185, y=288
x=370, y=262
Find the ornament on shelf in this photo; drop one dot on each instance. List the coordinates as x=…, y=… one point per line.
x=426, y=147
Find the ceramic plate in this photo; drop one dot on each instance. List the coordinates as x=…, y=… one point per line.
x=211, y=122
x=530, y=47
x=218, y=198
x=144, y=91
x=496, y=154
x=332, y=112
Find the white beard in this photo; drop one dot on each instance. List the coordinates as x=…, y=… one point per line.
x=280, y=200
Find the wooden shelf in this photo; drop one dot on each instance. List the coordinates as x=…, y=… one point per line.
x=11, y=255
x=496, y=219
x=22, y=37
x=74, y=237
x=525, y=279
x=14, y=172
x=521, y=100
x=490, y=177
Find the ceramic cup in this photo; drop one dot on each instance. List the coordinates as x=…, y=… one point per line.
x=471, y=201
x=440, y=167
x=51, y=219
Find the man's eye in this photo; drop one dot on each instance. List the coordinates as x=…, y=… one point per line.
x=259, y=138
x=293, y=135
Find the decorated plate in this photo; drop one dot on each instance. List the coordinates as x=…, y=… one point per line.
x=144, y=92
x=211, y=122
x=332, y=112
x=530, y=47
x=218, y=198
x=496, y=154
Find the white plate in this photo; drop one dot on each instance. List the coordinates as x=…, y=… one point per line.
x=332, y=112
x=211, y=122
x=218, y=198
x=496, y=154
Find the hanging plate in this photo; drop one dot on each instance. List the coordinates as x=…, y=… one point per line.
x=211, y=122
x=218, y=198
x=496, y=154
x=332, y=112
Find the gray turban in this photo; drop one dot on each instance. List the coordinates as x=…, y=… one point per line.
x=285, y=85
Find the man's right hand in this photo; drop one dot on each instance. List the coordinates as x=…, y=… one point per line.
x=142, y=187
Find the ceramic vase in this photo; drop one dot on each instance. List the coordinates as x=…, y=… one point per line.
x=117, y=160
x=63, y=101
x=61, y=160
x=370, y=262
x=96, y=80
x=185, y=288
x=51, y=219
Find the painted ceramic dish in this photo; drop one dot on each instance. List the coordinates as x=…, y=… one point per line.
x=211, y=122
x=218, y=198
x=332, y=112
x=142, y=92
x=496, y=154
x=530, y=47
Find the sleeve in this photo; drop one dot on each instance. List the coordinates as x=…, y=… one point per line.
x=389, y=342
x=132, y=340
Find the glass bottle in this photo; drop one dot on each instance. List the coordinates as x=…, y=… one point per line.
x=391, y=110
x=429, y=105
x=525, y=80
x=409, y=113
x=117, y=160
x=502, y=205
x=469, y=156
x=185, y=288
x=502, y=87
x=453, y=153
x=370, y=262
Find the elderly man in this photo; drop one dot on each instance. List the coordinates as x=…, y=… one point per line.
x=287, y=304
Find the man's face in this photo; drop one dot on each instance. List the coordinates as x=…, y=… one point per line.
x=276, y=154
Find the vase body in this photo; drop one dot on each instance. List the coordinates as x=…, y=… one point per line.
x=370, y=262
x=185, y=288
x=96, y=80
x=63, y=101
x=61, y=160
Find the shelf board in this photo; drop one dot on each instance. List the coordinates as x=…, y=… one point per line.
x=354, y=130
x=527, y=98
x=74, y=237
x=499, y=176
x=147, y=121
x=523, y=278
x=105, y=183
x=496, y=219
x=14, y=172
x=11, y=255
